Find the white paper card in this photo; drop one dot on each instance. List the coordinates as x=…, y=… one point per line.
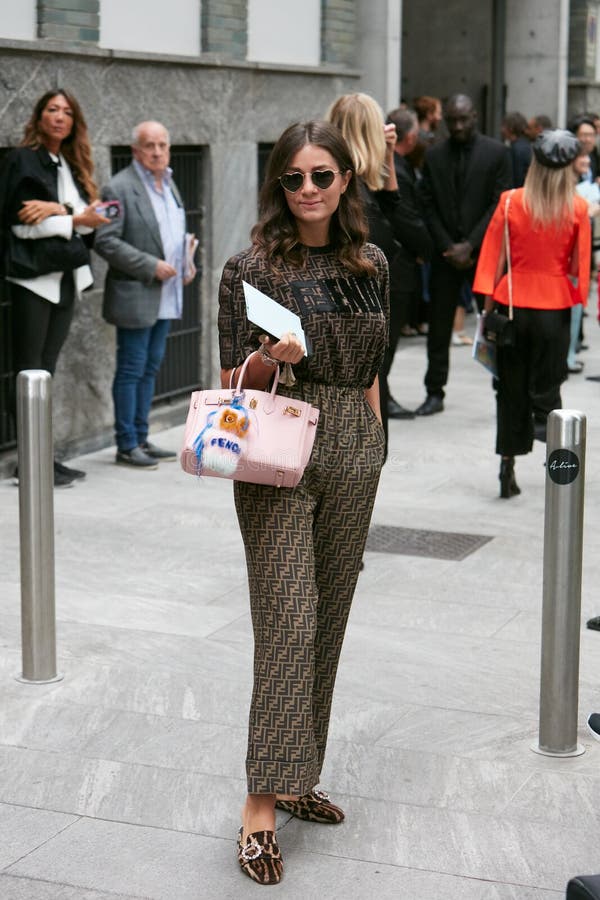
x=191, y=245
x=272, y=316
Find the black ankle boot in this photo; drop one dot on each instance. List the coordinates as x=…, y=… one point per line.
x=508, y=485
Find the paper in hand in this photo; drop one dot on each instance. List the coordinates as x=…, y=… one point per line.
x=191, y=245
x=272, y=316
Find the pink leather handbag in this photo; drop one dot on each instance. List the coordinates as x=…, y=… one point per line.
x=249, y=435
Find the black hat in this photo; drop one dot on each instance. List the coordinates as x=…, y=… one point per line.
x=556, y=149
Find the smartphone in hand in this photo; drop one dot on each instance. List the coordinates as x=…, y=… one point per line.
x=109, y=208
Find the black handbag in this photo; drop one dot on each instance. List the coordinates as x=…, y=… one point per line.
x=499, y=328
x=30, y=258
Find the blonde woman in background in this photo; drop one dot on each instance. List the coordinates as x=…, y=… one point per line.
x=394, y=224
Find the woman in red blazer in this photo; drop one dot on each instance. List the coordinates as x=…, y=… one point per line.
x=550, y=251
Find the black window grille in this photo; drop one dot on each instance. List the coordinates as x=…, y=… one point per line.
x=264, y=151
x=8, y=437
x=180, y=370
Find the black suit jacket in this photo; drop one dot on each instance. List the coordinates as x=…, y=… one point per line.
x=487, y=174
x=520, y=156
x=396, y=226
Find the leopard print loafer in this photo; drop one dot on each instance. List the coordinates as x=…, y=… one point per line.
x=313, y=807
x=260, y=858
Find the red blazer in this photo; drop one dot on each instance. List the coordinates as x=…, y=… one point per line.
x=543, y=259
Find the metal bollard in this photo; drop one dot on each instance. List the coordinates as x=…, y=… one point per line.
x=561, y=613
x=36, y=526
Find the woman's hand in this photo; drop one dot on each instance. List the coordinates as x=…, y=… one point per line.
x=288, y=349
x=89, y=217
x=35, y=211
x=390, y=182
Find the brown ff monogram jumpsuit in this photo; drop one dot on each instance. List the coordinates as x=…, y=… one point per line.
x=304, y=545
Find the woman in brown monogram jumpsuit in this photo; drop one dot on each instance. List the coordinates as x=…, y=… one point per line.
x=304, y=545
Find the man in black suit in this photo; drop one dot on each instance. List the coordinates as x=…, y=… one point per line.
x=405, y=275
x=463, y=178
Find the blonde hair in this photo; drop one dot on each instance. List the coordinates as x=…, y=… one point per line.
x=548, y=194
x=360, y=119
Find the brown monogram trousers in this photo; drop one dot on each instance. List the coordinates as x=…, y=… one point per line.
x=303, y=552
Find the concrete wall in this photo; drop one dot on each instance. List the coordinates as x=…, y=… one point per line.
x=536, y=57
x=446, y=48
x=379, y=50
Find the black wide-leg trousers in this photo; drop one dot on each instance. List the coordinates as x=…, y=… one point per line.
x=529, y=376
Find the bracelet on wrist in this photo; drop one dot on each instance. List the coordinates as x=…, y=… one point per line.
x=266, y=357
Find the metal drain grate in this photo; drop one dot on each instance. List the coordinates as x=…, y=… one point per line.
x=415, y=542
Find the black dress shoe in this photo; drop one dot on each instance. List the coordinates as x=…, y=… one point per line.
x=396, y=411
x=74, y=474
x=433, y=404
x=156, y=452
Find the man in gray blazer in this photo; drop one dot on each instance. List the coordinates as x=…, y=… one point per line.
x=145, y=247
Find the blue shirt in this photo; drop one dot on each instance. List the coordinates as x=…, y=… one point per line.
x=171, y=223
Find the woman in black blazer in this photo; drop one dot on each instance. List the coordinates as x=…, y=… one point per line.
x=47, y=184
x=392, y=228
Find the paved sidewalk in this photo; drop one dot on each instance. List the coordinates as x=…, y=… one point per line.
x=126, y=779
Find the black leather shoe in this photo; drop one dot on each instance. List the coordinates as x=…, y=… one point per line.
x=396, y=411
x=433, y=404
x=156, y=453
x=74, y=474
x=136, y=459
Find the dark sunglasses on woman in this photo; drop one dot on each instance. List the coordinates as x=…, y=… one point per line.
x=293, y=181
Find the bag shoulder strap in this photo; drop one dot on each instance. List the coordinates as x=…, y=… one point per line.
x=508, y=260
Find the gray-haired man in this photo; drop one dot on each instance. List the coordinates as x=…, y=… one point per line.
x=146, y=253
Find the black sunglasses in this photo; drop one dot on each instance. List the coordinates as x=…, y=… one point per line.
x=293, y=181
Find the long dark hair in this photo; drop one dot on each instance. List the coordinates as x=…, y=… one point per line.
x=75, y=148
x=276, y=233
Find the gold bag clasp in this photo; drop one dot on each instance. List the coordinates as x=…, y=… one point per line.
x=292, y=411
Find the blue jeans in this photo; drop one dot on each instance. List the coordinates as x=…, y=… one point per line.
x=140, y=352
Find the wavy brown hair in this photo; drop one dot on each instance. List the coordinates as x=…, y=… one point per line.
x=276, y=233
x=75, y=148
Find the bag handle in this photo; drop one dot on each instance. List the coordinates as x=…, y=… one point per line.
x=239, y=390
x=508, y=259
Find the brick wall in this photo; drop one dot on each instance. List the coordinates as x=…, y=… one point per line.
x=225, y=27
x=69, y=20
x=338, y=32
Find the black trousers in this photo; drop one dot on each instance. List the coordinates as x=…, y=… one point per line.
x=529, y=377
x=444, y=290
x=400, y=304
x=40, y=328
